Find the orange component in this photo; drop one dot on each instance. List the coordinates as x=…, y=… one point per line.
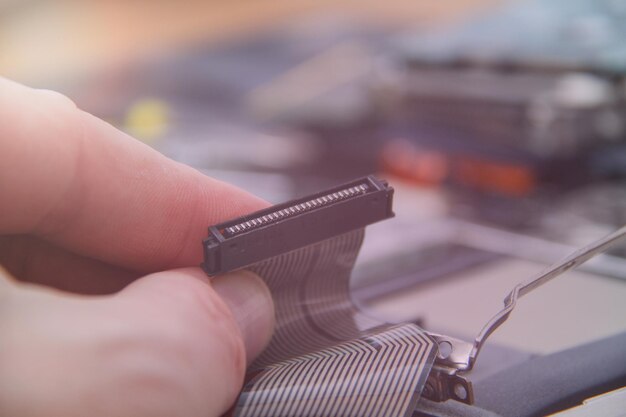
x=429, y=167
x=405, y=160
x=511, y=179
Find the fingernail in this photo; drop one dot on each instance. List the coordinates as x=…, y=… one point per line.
x=250, y=301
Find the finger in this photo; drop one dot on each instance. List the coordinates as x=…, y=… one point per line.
x=36, y=261
x=244, y=295
x=75, y=180
x=232, y=318
x=167, y=345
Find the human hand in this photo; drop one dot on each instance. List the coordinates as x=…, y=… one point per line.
x=86, y=209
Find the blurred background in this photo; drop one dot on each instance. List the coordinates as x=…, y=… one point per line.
x=499, y=123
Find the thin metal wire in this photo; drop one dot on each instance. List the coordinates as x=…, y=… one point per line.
x=572, y=261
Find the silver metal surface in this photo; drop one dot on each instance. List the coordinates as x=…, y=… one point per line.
x=444, y=381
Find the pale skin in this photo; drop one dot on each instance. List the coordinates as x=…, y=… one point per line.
x=103, y=311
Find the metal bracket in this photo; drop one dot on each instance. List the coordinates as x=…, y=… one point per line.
x=444, y=381
x=445, y=384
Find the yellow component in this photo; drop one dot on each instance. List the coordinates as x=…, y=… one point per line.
x=147, y=119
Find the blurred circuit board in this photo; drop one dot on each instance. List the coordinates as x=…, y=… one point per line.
x=517, y=128
x=488, y=107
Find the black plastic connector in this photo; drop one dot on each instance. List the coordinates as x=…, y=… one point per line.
x=285, y=227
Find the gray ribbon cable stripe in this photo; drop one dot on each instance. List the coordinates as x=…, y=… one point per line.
x=320, y=363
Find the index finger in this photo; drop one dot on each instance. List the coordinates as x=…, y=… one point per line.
x=77, y=181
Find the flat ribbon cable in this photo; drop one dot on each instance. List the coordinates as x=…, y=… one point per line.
x=326, y=358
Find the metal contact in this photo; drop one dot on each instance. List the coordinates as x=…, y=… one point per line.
x=297, y=209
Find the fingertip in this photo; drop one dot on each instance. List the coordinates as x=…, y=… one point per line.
x=198, y=334
x=241, y=297
x=250, y=302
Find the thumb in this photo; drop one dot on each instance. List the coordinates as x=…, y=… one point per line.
x=221, y=324
x=171, y=343
x=250, y=302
